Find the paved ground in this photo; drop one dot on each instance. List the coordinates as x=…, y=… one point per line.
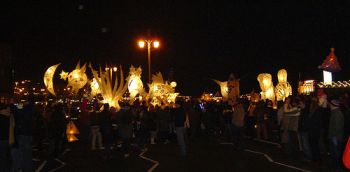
x=204, y=155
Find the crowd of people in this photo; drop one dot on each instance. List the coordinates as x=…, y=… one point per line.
x=306, y=127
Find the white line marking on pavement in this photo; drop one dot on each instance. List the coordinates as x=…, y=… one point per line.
x=42, y=165
x=269, y=158
x=65, y=151
x=62, y=165
x=272, y=161
x=265, y=141
x=154, y=166
x=291, y=166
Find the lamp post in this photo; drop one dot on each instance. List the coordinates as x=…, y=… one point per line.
x=149, y=43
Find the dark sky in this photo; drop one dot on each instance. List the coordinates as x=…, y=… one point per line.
x=199, y=40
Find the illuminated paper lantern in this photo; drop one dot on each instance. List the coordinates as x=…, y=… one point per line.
x=229, y=89
x=173, y=84
x=282, y=76
x=64, y=75
x=283, y=89
x=71, y=128
x=48, y=78
x=171, y=97
x=77, y=78
x=95, y=88
x=161, y=92
x=306, y=87
x=266, y=85
x=331, y=63
x=110, y=92
x=156, y=102
x=223, y=89
x=71, y=131
x=135, y=85
x=71, y=138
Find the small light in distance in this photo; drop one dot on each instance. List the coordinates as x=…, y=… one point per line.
x=115, y=69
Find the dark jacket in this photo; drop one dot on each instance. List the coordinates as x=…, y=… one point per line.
x=336, y=124
x=316, y=119
x=57, y=123
x=24, y=119
x=105, y=121
x=180, y=116
x=94, y=118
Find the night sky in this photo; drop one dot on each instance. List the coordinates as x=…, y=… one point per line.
x=199, y=40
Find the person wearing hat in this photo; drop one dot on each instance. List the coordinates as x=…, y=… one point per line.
x=335, y=134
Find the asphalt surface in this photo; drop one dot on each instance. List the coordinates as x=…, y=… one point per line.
x=204, y=154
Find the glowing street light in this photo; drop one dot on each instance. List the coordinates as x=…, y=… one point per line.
x=149, y=42
x=156, y=44
x=141, y=44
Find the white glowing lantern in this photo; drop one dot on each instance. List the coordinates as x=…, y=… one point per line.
x=77, y=78
x=223, y=88
x=111, y=93
x=172, y=97
x=327, y=78
x=173, y=84
x=161, y=91
x=48, y=78
x=266, y=85
x=156, y=102
x=283, y=88
x=135, y=85
x=282, y=76
x=95, y=88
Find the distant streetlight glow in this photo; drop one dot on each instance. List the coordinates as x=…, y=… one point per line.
x=115, y=69
x=141, y=44
x=156, y=44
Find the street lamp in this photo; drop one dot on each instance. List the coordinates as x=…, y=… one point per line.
x=149, y=43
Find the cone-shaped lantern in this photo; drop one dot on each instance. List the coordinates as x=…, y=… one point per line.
x=71, y=128
x=331, y=63
x=71, y=138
